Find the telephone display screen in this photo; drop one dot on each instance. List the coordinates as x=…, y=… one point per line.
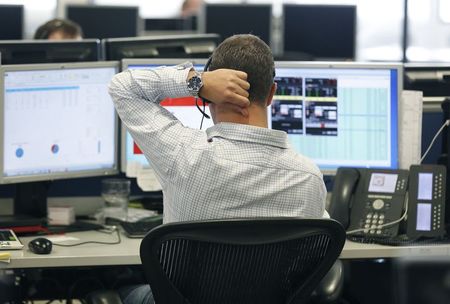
x=425, y=186
x=423, y=216
x=383, y=182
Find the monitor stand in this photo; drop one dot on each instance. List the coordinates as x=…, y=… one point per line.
x=30, y=208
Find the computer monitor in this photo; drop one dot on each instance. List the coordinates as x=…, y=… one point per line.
x=321, y=31
x=183, y=108
x=44, y=51
x=171, y=46
x=433, y=79
x=11, y=22
x=339, y=114
x=169, y=24
x=98, y=21
x=58, y=122
x=228, y=19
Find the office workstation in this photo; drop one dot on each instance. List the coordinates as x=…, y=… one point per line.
x=349, y=112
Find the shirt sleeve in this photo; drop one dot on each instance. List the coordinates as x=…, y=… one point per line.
x=159, y=134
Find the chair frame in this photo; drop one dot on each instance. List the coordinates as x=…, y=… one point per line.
x=247, y=231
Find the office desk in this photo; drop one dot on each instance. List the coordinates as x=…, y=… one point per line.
x=354, y=250
x=127, y=252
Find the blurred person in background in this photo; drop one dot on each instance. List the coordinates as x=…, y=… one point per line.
x=59, y=29
x=191, y=7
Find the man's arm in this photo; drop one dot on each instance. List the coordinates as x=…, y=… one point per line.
x=137, y=94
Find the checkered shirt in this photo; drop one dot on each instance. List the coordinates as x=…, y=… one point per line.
x=231, y=170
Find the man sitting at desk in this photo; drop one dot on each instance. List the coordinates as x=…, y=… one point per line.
x=237, y=168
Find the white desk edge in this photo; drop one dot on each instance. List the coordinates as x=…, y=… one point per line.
x=127, y=252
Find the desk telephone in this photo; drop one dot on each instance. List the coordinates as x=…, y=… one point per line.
x=371, y=202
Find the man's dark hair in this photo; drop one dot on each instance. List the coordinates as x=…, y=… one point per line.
x=69, y=28
x=251, y=55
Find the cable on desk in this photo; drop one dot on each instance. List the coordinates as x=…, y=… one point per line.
x=119, y=240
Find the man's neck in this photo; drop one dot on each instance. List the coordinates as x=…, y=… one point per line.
x=257, y=116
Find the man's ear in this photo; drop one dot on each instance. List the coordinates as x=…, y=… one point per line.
x=272, y=91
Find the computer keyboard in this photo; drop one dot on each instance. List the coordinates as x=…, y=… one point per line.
x=139, y=229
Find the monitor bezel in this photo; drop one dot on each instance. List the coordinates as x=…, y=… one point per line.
x=109, y=43
x=283, y=25
x=63, y=175
x=145, y=61
x=202, y=24
x=68, y=42
x=354, y=65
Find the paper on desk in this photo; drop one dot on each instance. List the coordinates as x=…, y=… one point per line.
x=136, y=214
x=147, y=181
x=410, y=128
x=5, y=257
x=133, y=168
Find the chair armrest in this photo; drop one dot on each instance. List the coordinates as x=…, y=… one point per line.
x=103, y=297
x=331, y=287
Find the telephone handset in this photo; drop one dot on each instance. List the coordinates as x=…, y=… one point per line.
x=371, y=202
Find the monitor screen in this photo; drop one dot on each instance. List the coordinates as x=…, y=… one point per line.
x=58, y=122
x=230, y=19
x=321, y=31
x=183, y=108
x=11, y=22
x=105, y=21
x=339, y=114
x=169, y=24
x=44, y=51
x=171, y=46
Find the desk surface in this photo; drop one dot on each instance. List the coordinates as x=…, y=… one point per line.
x=127, y=252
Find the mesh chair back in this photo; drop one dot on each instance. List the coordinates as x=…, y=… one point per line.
x=273, y=260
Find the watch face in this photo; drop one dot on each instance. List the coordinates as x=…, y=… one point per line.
x=195, y=83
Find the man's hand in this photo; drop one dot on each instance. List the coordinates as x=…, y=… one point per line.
x=225, y=86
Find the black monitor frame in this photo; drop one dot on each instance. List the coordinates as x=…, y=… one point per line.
x=170, y=46
x=433, y=79
x=21, y=13
x=203, y=19
x=324, y=52
x=169, y=24
x=45, y=51
x=100, y=25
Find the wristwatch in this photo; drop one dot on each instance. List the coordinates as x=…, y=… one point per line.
x=194, y=84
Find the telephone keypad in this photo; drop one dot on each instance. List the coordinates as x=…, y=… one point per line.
x=373, y=223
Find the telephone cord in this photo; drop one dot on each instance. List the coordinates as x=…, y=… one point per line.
x=446, y=123
x=386, y=224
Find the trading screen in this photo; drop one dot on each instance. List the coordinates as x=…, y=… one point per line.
x=338, y=116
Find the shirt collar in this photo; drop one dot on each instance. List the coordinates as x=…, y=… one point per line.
x=247, y=133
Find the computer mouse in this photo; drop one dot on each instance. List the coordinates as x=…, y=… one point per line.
x=40, y=246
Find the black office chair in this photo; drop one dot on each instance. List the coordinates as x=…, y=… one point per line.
x=266, y=260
